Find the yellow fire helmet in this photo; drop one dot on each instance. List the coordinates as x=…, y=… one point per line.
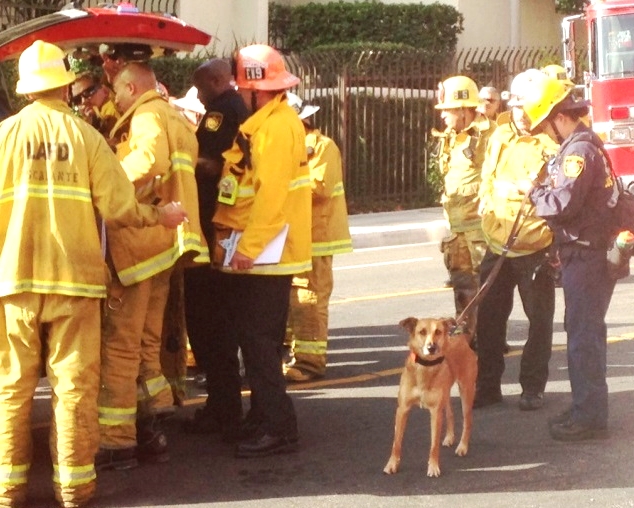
x=555, y=71
x=543, y=96
x=42, y=66
x=458, y=92
x=521, y=85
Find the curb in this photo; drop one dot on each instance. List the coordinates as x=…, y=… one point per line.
x=386, y=229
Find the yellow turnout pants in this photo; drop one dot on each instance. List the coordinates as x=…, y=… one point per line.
x=130, y=359
x=68, y=328
x=308, y=315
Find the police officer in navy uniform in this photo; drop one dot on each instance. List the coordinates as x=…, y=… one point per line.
x=225, y=111
x=576, y=204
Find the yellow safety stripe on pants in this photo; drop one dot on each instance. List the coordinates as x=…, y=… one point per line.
x=159, y=263
x=117, y=416
x=332, y=248
x=71, y=476
x=46, y=191
x=154, y=386
x=338, y=190
x=310, y=347
x=14, y=474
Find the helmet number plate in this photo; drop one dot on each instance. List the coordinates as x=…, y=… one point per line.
x=254, y=73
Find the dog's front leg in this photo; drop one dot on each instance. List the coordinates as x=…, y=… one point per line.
x=467, y=394
x=433, y=464
x=402, y=412
x=450, y=434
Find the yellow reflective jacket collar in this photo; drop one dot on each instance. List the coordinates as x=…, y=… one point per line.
x=253, y=123
x=56, y=104
x=148, y=96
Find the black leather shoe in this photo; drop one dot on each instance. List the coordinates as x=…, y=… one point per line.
x=203, y=422
x=571, y=431
x=243, y=431
x=560, y=418
x=118, y=459
x=265, y=445
x=486, y=398
x=531, y=401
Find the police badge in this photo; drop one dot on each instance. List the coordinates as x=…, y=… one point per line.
x=213, y=121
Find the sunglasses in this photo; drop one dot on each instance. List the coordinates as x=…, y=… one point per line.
x=85, y=95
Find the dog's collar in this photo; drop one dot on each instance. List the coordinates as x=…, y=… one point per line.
x=426, y=363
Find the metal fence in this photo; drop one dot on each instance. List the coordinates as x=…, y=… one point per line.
x=379, y=108
x=14, y=13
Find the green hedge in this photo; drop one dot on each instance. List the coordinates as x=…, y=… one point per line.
x=434, y=27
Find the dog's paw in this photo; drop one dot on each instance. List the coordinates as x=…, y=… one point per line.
x=449, y=440
x=391, y=467
x=433, y=470
x=462, y=449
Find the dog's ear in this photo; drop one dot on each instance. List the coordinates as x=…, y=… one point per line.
x=450, y=323
x=409, y=324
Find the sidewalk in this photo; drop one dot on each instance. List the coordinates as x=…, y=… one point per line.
x=397, y=228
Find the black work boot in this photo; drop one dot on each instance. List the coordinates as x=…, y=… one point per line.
x=117, y=459
x=151, y=441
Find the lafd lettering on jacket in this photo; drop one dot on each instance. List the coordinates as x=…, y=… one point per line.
x=47, y=151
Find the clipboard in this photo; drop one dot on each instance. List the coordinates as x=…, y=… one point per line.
x=271, y=255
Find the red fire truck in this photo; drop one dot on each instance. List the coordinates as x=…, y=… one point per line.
x=609, y=78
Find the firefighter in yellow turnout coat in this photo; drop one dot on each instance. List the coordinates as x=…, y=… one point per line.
x=307, y=331
x=514, y=155
x=264, y=188
x=55, y=171
x=158, y=152
x=460, y=157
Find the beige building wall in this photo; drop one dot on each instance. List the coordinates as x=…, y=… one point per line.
x=230, y=22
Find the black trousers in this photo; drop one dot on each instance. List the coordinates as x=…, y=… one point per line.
x=215, y=352
x=254, y=309
x=536, y=285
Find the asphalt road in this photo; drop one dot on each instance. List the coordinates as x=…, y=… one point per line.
x=346, y=420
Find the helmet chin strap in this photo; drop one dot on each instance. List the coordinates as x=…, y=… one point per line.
x=254, y=101
x=560, y=138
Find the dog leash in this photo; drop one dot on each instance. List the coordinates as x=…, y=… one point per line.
x=486, y=285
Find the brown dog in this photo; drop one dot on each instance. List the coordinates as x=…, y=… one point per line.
x=437, y=359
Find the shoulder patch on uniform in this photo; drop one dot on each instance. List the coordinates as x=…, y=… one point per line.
x=573, y=166
x=213, y=121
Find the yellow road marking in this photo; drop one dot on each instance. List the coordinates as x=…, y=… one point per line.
x=361, y=378
x=389, y=295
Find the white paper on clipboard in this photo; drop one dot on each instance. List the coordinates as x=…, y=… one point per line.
x=271, y=255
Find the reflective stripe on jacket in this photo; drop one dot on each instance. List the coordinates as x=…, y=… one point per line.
x=511, y=157
x=158, y=151
x=330, y=231
x=274, y=192
x=55, y=170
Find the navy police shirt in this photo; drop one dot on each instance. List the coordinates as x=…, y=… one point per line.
x=215, y=134
x=574, y=200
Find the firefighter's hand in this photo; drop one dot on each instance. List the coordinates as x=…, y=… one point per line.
x=524, y=186
x=240, y=262
x=171, y=215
